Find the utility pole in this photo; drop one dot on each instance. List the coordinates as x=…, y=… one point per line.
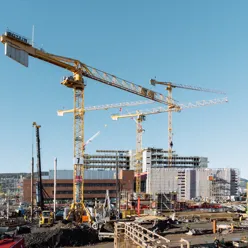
x=8, y=196
x=117, y=186
x=32, y=182
x=247, y=198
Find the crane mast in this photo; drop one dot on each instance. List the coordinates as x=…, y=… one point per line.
x=170, y=142
x=138, y=155
x=77, y=83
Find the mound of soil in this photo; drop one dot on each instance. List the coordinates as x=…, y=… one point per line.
x=59, y=236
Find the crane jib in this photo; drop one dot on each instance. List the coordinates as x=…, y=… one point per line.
x=143, y=91
x=17, y=43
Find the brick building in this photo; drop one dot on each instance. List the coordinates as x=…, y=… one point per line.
x=93, y=188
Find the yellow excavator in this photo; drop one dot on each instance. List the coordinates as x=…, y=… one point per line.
x=46, y=218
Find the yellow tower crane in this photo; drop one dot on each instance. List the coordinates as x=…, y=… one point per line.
x=141, y=114
x=19, y=48
x=169, y=87
x=111, y=106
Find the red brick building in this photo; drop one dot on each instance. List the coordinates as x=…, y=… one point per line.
x=95, y=188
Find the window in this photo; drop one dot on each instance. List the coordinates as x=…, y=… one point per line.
x=87, y=192
x=64, y=192
x=99, y=184
x=64, y=184
x=48, y=184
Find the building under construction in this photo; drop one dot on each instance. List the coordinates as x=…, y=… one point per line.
x=108, y=159
x=188, y=176
x=158, y=157
x=189, y=183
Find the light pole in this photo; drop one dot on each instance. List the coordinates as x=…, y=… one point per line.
x=118, y=154
x=117, y=186
x=55, y=187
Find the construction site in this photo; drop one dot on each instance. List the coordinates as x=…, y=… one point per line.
x=147, y=197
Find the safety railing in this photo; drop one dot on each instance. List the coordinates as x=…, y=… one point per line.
x=130, y=234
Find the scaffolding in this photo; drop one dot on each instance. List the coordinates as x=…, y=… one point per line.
x=219, y=187
x=160, y=158
x=107, y=159
x=166, y=201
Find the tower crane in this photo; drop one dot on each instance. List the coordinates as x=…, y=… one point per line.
x=19, y=48
x=105, y=107
x=169, y=87
x=141, y=114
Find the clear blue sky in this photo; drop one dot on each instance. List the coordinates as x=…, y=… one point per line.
x=200, y=43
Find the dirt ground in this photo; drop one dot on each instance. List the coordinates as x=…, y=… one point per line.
x=100, y=245
x=62, y=233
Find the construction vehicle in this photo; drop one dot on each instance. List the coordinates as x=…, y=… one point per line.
x=105, y=219
x=169, y=87
x=46, y=218
x=39, y=188
x=140, y=117
x=19, y=48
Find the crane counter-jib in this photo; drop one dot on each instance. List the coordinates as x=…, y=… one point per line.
x=77, y=67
